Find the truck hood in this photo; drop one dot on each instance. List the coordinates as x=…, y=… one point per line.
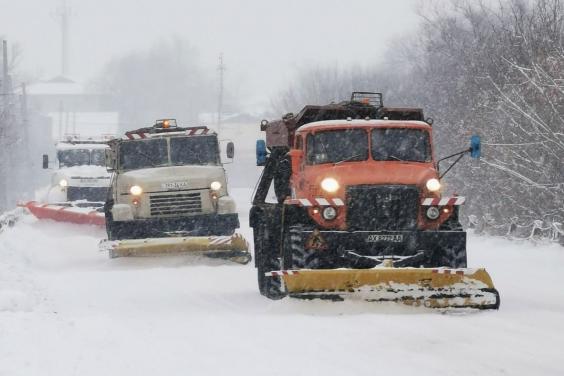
x=172, y=178
x=373, y=172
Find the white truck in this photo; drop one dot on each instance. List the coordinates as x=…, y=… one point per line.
x=168, y=195
x=79, y=177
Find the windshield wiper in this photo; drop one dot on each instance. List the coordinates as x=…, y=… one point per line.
x=394, y=158
x=147, y=157
x=347, y=159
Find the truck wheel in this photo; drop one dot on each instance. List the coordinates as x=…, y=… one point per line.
x=452, y=257
x=266, y=259
x=295, y=254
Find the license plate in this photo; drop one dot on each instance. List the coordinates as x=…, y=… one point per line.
x=89, y=181
x=373, y=238
x=175, y=185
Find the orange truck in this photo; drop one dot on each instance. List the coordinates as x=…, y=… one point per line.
x=357, y=209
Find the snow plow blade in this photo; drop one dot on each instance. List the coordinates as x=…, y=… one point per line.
x=233, y=248
x=62, y=213
x=432, y=288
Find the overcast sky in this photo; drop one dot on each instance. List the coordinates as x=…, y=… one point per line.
x=263, y=41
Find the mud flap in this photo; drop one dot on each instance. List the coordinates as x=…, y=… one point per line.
x=428, y=287
x=233, y=248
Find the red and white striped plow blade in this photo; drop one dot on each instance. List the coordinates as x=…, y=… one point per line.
x=71, y=214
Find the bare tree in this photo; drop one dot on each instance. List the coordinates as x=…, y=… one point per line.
x=164, y=81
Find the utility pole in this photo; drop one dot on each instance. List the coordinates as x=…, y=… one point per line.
x=220, y=69
x=63, y=16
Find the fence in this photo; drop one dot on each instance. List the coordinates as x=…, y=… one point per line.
x=512, y=229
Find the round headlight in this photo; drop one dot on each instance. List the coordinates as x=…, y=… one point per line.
x=330, y=185
x=215, y=185
x=136, y=190
x=433, y=184
x=63, y=183
x=433, y=212
x=329, y=213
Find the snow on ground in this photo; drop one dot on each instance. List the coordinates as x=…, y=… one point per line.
x=67, y=309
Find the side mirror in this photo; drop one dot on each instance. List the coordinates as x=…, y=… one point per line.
x=261, y=152
x=45, y=161
x=230, y=150
x=475, y=147
x=110, y=161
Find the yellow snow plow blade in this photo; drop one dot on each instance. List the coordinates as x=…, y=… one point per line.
x=433, y=288
x=234, y=248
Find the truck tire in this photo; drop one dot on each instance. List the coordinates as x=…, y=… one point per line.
x=267, y=261
x=295, y=254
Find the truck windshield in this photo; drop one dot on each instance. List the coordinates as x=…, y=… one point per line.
x=143, y=154
x=194, y=150
x=345, y=145
x=400, y=144
x=200, y=150
x=81, y=157
x=98, y=157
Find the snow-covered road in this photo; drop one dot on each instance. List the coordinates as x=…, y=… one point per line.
x=66, y=309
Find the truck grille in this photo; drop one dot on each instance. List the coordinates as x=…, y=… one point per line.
x=382, y=207
x=90, y=194
x=176, y=203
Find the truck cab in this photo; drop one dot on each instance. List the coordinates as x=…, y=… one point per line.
x=80, y=177
x=341, y=169
x=168, y=181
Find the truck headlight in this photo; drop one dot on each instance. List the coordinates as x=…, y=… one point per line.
x=329, y=213
x=433, y=212
x=136, y=190
x=433, y=185
x=215, y=186
x=63, y=183
x=330, y=185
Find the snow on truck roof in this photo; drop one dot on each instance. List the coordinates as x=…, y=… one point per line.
x=364, y=123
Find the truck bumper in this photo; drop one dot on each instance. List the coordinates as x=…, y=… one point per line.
x=365, y=249
x=198, y=225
